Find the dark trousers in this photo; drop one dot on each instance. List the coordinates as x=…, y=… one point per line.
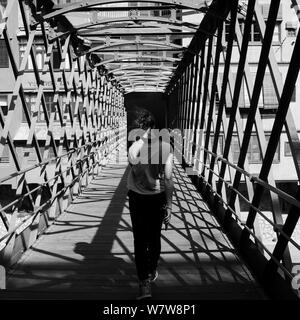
x=147, y=215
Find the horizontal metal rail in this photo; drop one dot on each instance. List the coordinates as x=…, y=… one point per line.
x=49, y=201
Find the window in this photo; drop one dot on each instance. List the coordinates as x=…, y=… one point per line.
x=165, y=13
x=254, y=35
x=4, y=60
x=51, y=107
x=235, y=148
x=30, y=154
x=276, y=34
x=4, y=104
x=22, y=49
x=30, y=101
x=5, y=155
x=227, y=29
x=3, y=4
x=40, y=56
x=287, y=149
x=244, y=101
x=63, y=1
x=50, y=153
x=220, y=144
x=56, y=59
x=291, y=32
x=254, y=155
x=255, y=32
x=254, y=150
x=277, y=153
x=293, y=98
x=66, y=107
x=269, y=93
x=291, y=28
x=39, y=51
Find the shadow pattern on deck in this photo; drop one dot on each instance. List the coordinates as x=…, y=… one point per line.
x=88, y=252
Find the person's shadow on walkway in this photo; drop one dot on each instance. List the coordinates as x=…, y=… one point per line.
x=108, y=269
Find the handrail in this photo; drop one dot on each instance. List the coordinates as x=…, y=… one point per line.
x=41, y=207
x=73, y=150
x=254, y=179
x=253, y=234
x=275, y=227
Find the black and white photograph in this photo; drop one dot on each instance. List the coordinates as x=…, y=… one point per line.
x=149, y=157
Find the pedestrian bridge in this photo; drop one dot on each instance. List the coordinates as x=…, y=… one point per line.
x=66, y=232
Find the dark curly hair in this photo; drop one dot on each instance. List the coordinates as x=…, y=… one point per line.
x=144, y=120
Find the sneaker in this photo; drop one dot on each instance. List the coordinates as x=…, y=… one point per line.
x=145, y=290
x=153, y=276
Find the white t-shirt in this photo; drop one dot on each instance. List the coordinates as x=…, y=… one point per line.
x=146, y=174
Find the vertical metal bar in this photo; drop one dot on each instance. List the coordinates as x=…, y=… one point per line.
x=193, y=108
x=186, y=93
x=276, y=211
x=186, y=107
x=213, y=91
x=205, y=88
x=281, y=113
x=237, y=89
x=189, y=110
x=255, y=96
x=231, y=35
x=190, y=96
x=181, y=101
x=199, y=98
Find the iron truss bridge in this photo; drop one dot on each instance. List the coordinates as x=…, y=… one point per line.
x=65, y=225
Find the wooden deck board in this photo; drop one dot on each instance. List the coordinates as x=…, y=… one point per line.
x=88, y=252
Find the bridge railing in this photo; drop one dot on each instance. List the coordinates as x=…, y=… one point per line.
x=78, y=109
x=220, y=98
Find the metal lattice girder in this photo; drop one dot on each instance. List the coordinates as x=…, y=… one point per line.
x=152, y=45
x=141, y=67
x=191, y=4
x=255, y=97
x=207, y=28
x=85, y=37
x=209, y=121
x=233, y=15
x=146, y=32
x=227, y=120
x=110, y=24
x=221, y=120
x=77, y=131
x=150, y=29
x=137, y=20
x=136, y=58
x=290, y=125
x=136, y=79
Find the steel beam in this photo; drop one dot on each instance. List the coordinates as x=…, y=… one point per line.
x=255, y=97
x=138, y=32
x=213, y=92
x=237, y=88
x=233, y=15
x=190, y=4
x=198, y=101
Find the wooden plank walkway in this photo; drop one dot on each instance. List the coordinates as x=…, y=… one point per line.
x=88, y=252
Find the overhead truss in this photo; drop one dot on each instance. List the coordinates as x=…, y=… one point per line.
x=149, y=35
